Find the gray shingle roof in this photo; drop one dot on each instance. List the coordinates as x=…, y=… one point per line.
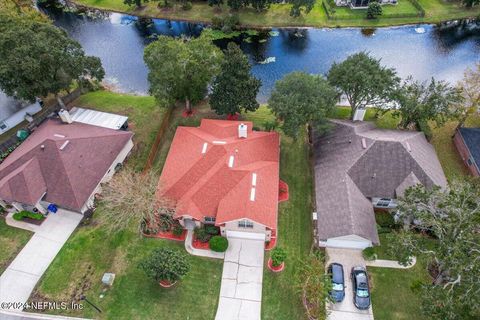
x=356, y=161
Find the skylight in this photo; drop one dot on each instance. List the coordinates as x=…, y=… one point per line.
x=254, y=179
x=204, y=148
x=230, y=161
x=64, y=145
x=219, y=142
x=252, y=194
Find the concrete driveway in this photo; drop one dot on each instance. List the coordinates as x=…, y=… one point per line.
x=21, y=276
x=241, y=290
x=346, y=310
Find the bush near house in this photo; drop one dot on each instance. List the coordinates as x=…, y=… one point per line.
x=218, y=244
x=177, y=229
x=385, y=219
x=278, y=256
x=212, y=230
x=369, y=253
x=201, y=234
x=27, y=214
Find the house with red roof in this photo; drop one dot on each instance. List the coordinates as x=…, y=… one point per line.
x=226, y=174
x=62, y=164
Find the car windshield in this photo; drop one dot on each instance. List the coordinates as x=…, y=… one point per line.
x=362, y=293
x=337, y=286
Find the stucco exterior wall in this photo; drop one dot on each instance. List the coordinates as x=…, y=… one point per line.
x=465, y=154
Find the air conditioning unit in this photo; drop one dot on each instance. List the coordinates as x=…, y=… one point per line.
x=242, y=130
x=65, y=116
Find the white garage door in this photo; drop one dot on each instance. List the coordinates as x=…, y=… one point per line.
x=246, y=235
x=353, y=244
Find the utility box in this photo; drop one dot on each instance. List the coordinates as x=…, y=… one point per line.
x=108, y=278
x=359, y=114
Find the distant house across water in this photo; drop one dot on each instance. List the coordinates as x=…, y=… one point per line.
x=13, y=111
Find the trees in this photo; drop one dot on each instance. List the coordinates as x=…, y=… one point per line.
x=470, y=90
x=300, y=5
x=470, y=3
x=234, y=90
x=364, y=81
x=130, y=199
x=419, y=102
x=137, y=3
x=236, y=4
x=374, y=10
x=181, y=69
x=165, y=264
x=217, y=3
x=300, y=98
x=38, y=58
x=452, y=216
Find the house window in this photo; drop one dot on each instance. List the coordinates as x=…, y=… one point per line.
x=210, y=220
x=245, y=224
x=383, y=202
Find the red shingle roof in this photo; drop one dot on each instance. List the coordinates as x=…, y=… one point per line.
x=198, y=177
x=68, y=176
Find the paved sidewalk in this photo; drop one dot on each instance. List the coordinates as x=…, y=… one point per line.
x=21, y=276
x=241, y=290
x=200, y=252
x=389, y=264
x=346, y=310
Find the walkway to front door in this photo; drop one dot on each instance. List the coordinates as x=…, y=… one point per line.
x=241, y=290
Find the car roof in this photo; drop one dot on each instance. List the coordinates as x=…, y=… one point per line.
x=337, y=272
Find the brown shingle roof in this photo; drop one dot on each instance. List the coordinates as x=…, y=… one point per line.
x=68, y=176
x=356, y=161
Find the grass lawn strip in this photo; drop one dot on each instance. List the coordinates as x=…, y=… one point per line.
x=278, y=14
x=12, y=240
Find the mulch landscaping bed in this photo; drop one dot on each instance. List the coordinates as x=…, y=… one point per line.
x=167, y=235
x=197, y=244
x=282, y=191
x=33, y=221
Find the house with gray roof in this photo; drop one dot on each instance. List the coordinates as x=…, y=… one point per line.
x=359, y=167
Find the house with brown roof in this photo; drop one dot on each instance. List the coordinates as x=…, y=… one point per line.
x=62, y=164
x=226, y=174
x=359, y=167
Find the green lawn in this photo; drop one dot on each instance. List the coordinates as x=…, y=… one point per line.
x=278, y=14
x=392, y=294
x=145, y=116
x=12, y=240
x=404, y=8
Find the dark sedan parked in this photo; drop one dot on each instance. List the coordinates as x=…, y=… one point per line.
x=361, y=292
x=335, y=270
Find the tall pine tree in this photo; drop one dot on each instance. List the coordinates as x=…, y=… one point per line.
x=234, y=90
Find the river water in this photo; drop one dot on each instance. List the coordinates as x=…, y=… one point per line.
x=422, y=50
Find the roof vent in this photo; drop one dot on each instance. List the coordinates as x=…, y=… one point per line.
x=42, y=147
x=242, y=130
x=254, y=179
x=252, y=194
x=204, y=148
x=219, y=142
x=64, y=145
x=59, y=135
x=230, y=161
x=408, y=147
x=364, y=143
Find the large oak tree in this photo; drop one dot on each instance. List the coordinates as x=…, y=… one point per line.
x=37, y=59
x=181, y=69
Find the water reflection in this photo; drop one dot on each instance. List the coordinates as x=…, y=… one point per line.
x=442, y=51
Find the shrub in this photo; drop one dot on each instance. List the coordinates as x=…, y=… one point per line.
x=374, y=10
x=201, y=234
x=369, y=253
x=211, y=229
x=187, y=5
x=177, y=229
x=218, y=244
x=165, y=264
x=385, y=219
x=278, y=256
x=27, y=214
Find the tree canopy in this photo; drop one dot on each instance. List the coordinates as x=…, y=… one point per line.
x=181, y=69
x=299, y=6
x=452, y=218
x=420, y=102
x=136, y=3
x=300, y=98
x=364, y=81
x=165, y=264
x=470, y=90
x=38, y=58
x=234, y=90
x=374, y=10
